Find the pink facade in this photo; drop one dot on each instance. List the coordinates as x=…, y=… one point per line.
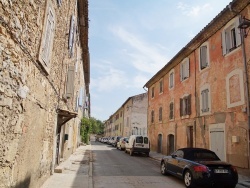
x=199, y=98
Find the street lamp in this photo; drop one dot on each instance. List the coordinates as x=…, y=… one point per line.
x=244, y=25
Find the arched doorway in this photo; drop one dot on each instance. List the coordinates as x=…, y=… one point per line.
x=159, y=148
x=170, y=144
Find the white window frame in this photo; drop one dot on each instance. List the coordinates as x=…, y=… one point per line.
x=171, y=79
x=231, y=37
x=46, y=46
x=205, y=99
x=184, y=69
x=204, y=61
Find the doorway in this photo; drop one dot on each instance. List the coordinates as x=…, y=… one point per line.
x=170, y=144
x=159, y=148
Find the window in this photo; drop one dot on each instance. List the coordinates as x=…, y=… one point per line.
x=46, y=46
x=204, y=56
x=160, y=114
x=171, y=79
x=184, y=69
x=152, y=92
x=152, y=116
x=204, y=101
x=70, y=82
x=171, y=110
x=231, y=36
x=71, y=35
x=161, y=86
x=185, y=105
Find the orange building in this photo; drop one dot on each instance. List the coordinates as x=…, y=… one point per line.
x=200, y=98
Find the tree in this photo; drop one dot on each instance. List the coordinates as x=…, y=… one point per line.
x=90, y=126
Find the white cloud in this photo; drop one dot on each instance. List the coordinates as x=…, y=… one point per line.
x=193, y=11
x=144, y=57
x=109, y=78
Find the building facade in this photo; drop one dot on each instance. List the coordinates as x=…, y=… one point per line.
x=129, y=119
x=44, y=86
x=200, y=98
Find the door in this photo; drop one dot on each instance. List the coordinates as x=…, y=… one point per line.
x=190, y=137
x=217, y=142
x=170, y=144
x=159, y=149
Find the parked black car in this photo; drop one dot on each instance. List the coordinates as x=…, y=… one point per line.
x=198, y=166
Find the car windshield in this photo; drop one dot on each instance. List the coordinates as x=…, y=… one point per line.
x=202, y=156
x=145, y=140
x=139, y=139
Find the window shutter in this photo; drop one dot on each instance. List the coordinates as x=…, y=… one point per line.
x=223, y=41
x=71, y=33
x=206, y=97
x=203, y=57
x=181, y=71
x=187, y=68
x=70, y=82
x=81, y=98
x=47, y=46
x=76, y=107
x=237, y=31
x=171, y=107
x=189, y=105
x=181, y=106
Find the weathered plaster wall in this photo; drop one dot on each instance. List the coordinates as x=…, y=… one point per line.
x=28, y=97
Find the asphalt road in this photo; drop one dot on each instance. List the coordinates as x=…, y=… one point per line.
x=113, y=168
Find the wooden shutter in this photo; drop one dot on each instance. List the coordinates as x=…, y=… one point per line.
x=80, y=103
x=237, y=31
x=70, y=82
x=189, y=105
x=187, y=68
x=48, y=37
x=223, y=42
x=171, y=109
x=203, y=57
x=71, y=33
x=181, y=106
x=206, y=100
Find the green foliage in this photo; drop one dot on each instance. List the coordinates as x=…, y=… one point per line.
x=90, y=126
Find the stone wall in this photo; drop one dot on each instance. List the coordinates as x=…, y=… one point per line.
x=29, y=96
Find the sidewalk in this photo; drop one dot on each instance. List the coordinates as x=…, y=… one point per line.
x=76, y=171
x=244, y=174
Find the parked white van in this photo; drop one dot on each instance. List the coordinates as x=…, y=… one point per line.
x=137, y=144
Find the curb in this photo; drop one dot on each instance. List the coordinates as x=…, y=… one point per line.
x=90, y=169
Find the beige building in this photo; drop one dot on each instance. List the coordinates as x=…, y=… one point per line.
x=44, y=86
x=130, y=118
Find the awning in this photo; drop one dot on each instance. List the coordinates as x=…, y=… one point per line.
x=64, y=116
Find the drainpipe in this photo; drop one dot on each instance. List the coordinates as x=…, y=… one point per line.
x=246, y=84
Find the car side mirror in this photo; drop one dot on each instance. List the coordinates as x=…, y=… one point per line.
x=127, y=141
x=174, y=156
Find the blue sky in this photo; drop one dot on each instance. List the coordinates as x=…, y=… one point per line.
x=131, y=40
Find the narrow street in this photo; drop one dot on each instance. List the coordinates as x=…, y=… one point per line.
x=112, y=167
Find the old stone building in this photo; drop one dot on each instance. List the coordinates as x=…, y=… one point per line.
x=44, y=86
x=200, y=98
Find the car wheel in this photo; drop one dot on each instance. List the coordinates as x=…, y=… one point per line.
x=125, y=150
x=163, y=168
x=188, y=179
x=131, y=152
x=147, y=154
